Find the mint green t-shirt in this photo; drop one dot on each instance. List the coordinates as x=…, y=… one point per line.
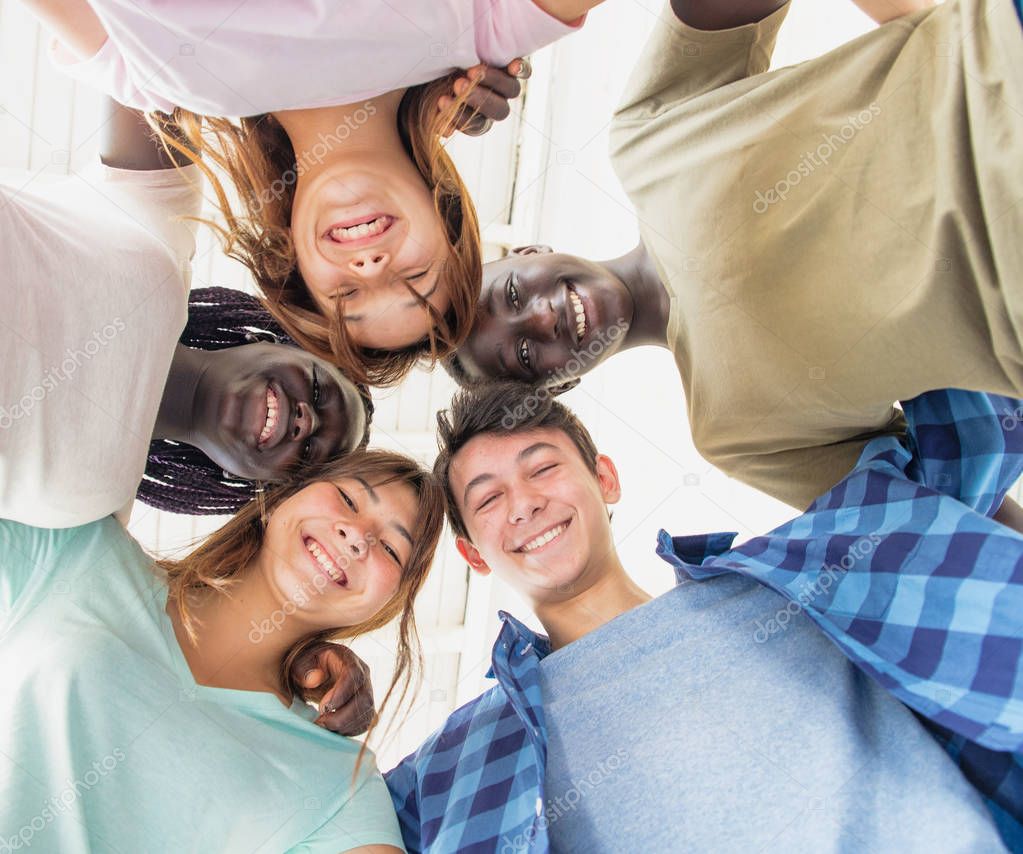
x=107, y=744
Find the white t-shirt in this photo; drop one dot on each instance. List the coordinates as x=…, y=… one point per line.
x=225, y=58
x=93, y=298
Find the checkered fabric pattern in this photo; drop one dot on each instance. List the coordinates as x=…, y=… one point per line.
x=898, y=565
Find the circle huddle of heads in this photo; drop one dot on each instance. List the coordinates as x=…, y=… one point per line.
x=180, y=478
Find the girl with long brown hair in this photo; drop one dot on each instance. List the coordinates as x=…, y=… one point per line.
x=339, y=195
x=144, y=705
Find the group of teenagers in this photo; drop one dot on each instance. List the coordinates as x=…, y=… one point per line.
x=831, y=253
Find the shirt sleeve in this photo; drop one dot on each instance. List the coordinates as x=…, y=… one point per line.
x=366, y=819
x=801, y=475
x=507, y=29
x=680, y=62
x=966, y=444
x=26, y=558
x=164, y=201
x=403, y=785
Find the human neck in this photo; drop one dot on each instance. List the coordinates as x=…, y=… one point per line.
x=611, y=595
x=176, y=416
x=650, y=300
x=236, y=644
x=334, y=128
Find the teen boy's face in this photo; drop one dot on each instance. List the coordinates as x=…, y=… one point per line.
x=545, y=316
x=534, y=511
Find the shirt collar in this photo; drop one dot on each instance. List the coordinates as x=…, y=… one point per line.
x=518, y=636
x=687, y=554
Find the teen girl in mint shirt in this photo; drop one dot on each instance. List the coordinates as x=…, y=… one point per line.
x=147, y=706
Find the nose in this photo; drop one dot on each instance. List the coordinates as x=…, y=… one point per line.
x=305, y=423
x=369, y=264
x=524, y=505
x=354, y=539
x=539, y=321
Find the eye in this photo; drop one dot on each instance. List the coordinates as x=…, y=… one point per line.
x=524, y=358
x=546, y=468
x=306, y=452
x=489, y=500
x=416, y=276
x=392, y=553
x=512, y=295
x=343, y=295
x=347, y=500
x=316, y=389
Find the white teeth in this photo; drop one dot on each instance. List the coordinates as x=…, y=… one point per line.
x=271, y=415
x=323, y=559
x=363, y=230
x=543, y=539
x=580, y=314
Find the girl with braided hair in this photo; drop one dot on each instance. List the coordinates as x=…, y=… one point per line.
x=241, y=407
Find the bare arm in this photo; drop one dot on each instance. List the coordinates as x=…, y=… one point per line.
x=1010, y=514
x=73, y=23
x=567, y=11
x=127, y=141
x=883, y=11
x=725, y=14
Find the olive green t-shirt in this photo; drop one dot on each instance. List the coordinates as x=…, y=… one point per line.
x=835, y=236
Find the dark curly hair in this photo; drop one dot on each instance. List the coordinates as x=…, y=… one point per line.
x=180, y=478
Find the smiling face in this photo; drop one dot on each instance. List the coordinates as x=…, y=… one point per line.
x=263, y=410
x=365, y=229
x=337, y=549
x=543, y=313
x=536, y=514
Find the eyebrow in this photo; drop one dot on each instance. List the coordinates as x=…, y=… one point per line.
x=355, y=318
x=375, y=498
x=524, y=454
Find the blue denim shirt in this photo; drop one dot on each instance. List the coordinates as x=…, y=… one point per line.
x=899, y=564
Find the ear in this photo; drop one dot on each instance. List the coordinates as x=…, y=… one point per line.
x=472, y=556
x=561, y=388
x=532, y=249
x=262, y=336
x=607, y=477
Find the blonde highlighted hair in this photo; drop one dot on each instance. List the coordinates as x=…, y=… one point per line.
x=216, y=563
x=256, y=155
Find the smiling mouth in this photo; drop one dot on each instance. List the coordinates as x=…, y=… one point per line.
x=360, y=231
x=272, y=414
x=544, y=539
x=325, y=563
x=576, y=302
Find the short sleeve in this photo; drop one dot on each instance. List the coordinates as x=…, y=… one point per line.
x=366, y=819
x=164, y=201
x=680, y=62
x=800, y=475
x=26, y=559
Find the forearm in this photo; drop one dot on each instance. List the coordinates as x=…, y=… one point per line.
x=883, y=11
x=73, y=23
x=1010, y=514
x=567, y=11
x=725, y=14
x=128, y=142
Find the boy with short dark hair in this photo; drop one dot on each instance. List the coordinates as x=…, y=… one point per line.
x=647, y=722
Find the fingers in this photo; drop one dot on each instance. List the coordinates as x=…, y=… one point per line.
x=487, y=101
x=348, y=708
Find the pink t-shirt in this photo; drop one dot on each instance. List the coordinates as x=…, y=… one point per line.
x=222, y=57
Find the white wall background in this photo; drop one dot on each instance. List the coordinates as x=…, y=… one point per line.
x=542, y=176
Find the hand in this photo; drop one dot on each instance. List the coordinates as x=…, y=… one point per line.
x=335, y=678
x=488, y=102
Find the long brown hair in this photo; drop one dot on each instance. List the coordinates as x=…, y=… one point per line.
x=216, y=563
x=257, y=156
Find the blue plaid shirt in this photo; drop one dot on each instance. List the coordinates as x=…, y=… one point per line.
x=899, y=565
